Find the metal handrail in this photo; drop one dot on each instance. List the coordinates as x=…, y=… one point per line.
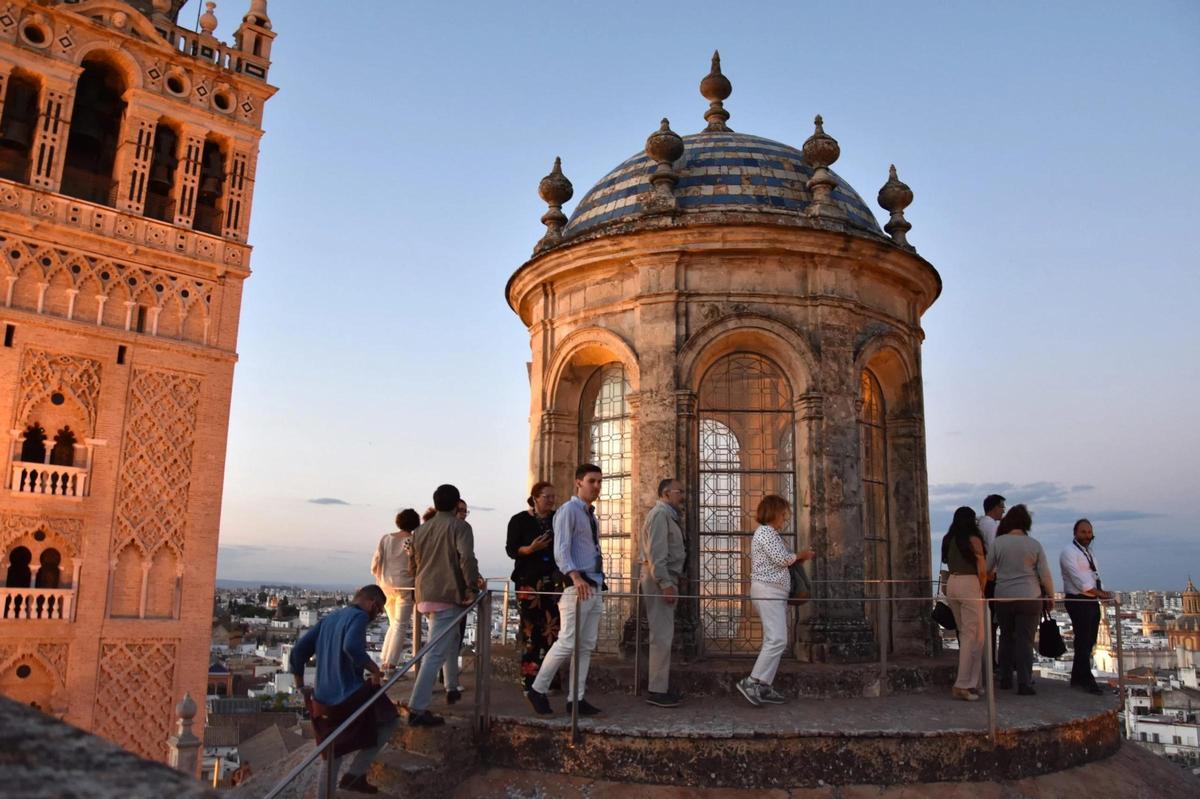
x=481, y=598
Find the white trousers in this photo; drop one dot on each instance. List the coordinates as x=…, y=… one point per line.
x=773, y=612
x=399, y=612
x=586, y=626
x=963, y=595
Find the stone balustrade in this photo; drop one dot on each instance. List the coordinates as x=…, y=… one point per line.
x=69, y=482
x=36, y=604
x=221, y=55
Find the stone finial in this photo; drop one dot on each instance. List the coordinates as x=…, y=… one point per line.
x=665, y=147
x=184, y=747
x=208, y=20
x=716, y=88
x=257, y=15
x=555, y=190
x=894, y=197
x=820, y=150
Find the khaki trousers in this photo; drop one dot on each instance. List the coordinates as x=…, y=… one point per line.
x=964, y=598
x=660, y=618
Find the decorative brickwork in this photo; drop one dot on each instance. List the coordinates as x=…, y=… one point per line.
x=66, y=532
x=133, y=694
x=156, y=461
x=52, y=655
x=44, y=373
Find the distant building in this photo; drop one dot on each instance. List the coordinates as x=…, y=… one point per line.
x=1184, y=630
x=128, y=147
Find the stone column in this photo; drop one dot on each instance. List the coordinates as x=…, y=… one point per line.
x=688, y=631
x=909, y=527
x=134, y=152
x=238, y=193
x=834, y=631
x=49, y=151
x=187, y=174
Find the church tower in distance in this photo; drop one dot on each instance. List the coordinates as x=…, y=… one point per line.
x=127, y=160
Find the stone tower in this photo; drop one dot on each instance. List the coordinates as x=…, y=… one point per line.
x=127, y=159
x=726, y=309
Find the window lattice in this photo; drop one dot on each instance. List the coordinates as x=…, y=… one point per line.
x=746, y=452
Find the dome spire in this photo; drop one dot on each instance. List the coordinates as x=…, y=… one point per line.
x=555, y=190
x=894, y=197
x=665, y=147
x=716, y=88
x=820, y=150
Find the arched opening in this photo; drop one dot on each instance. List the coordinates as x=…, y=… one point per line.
x=17, y=126
x=746, y=451
x=63, y=452
x=872, y=427
x=161, y=584
x=161, y=184
x=606, y=437
x=95, y=133
x=212, y=186
x=50, y=572
x=19, y=575
x=127, y=584
x=33, y=448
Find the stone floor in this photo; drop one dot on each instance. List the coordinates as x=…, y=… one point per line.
x=729, y=715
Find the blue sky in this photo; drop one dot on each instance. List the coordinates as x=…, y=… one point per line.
x=1051, y=148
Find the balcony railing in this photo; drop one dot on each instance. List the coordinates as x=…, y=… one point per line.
x=36, y=603
x=46, y=479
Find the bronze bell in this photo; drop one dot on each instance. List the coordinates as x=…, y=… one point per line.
x=17, y=133
x=88, y=124
x=210, y=187
x=161, y=175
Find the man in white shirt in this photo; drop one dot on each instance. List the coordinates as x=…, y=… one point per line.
x=993, y=512
x=1081, y=585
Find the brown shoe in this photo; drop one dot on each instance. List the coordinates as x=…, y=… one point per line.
x=965, y=695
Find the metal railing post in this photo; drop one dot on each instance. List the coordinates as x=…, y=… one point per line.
x=486, y=661
x=637, y=639
x=504, y=616
x=573, y=688
x=329, y=775
x=988, y=673
x=1120, y=657
x=885, y=636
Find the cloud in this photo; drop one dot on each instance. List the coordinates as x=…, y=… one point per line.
x=1080, y=488
x=328, y=501
x=1050, y=503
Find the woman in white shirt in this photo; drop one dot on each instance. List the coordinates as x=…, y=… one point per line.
x=392, y=569
x=770, y=583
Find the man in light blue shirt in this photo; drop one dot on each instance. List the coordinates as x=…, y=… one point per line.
x=577, y=552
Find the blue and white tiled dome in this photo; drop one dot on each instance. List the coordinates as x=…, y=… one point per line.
x=719, y=171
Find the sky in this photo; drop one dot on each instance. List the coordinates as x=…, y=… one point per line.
x=1052, y=150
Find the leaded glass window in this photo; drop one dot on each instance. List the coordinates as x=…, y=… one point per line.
x=607, y=437
x=746, y=451
x=872, y=425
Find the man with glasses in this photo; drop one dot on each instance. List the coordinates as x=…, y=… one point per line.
x=663, y=557
x=339, y=642
x=1081, y=586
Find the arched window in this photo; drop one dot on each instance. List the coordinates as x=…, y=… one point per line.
x=63, y=453
x=50, y=572
x=17, y=126
x=872, y=425
x=33, y=448
x=95, y=133
x=19, y=575
x=160, y=186
x=747, y=426
x=606, y=434
x=212, y=186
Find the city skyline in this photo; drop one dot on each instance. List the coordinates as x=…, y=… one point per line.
x=1052, y=181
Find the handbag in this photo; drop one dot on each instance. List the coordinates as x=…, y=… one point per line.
x=800, y=590
x=1050, y=640
x=944, y=616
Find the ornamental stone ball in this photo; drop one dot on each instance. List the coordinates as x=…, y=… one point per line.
x=894, y=197
x=716, y=88
x=820, y=150
x=664, y=145
x=208, y=20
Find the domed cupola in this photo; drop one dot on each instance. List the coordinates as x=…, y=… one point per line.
x=721, y=176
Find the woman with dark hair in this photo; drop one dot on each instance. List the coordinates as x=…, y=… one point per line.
x=965, y=553
x=392, y=569
x=1024, y=588
x=530, y=544
x=770, y=583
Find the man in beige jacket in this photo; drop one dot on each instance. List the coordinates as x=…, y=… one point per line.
x=663, y=557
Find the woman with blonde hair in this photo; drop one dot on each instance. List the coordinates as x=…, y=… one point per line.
x=770, y=583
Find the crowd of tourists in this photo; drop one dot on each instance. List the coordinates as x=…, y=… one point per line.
x=559, y=576
x=996, y=557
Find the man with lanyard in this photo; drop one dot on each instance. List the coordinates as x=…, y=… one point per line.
x=1081, y=585
x=662, y=558
x=577, y=552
